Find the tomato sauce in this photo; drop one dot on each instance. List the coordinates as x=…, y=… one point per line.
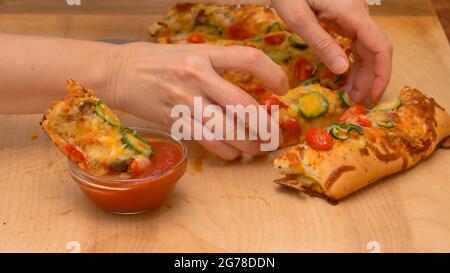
x=166, y=155
x=145, y=191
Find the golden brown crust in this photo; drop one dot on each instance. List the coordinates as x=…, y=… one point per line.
x=182, y=17
x=420, y=126
x=445, y=144
x=77, y=95
x=336, y=174
x=294, y=184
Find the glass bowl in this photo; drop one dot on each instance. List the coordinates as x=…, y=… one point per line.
x=135, y=195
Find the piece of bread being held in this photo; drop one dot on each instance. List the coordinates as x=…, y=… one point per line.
x=92, y=136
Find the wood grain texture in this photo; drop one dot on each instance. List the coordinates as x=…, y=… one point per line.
x=228, y=206
x=442, y=8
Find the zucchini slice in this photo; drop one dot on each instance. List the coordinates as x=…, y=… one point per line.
x=312, y=105
x=342, y=131
x=257, y=43
x=297, y=42
x=390, y=105
x=106, y=114
x=279, y=57
x=310, y=82
x=345, y=100
x=338, y=133
x=386, y=124
x=275, y=27
x=206, y=28
x=136, y=142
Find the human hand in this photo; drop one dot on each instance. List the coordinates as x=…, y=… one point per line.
x=350, y=18
x=148, y=80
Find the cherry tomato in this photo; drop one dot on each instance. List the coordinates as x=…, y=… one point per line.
x=268, y=100
x=196, y=39
x=354, y=110
x=363, y=121
x=275, y=39
x=303, y=70
x=319, y=139
x=238, y=32
x=291, y=128
x=135, y=167
x=74, y=153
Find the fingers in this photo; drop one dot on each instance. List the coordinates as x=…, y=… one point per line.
x=220, y=148
x=382, y=71
x=380, y=55
x=225, y=128
x=254, y=61
x=302, y=20
x=215, y=146
x=225, y=94
x=352, y=19
x=362, y=74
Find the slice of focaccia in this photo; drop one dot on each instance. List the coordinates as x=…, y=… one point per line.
x=92, y=137
x=397, y=135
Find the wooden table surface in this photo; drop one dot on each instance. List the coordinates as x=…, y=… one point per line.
x=224, y=206
x=442, y=8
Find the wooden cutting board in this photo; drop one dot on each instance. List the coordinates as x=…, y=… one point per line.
x=217, y=205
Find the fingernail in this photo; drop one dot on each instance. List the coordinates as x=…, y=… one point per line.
x=339, y=65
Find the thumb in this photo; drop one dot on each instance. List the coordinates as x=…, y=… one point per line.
x=304, y=22
x=324, y=46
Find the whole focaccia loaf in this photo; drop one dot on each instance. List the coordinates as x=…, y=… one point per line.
x=315, y=98
x=255, y=26
x=403, y=132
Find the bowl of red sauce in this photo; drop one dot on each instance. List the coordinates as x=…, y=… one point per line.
x=144, y=191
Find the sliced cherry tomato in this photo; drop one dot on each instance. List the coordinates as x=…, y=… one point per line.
x=275, y=39
x=196, y=39
x=319, y=139
x=363, y=121
x=303, y=70
x=354, y=110
x=291, y=127
x=267, y=100
x=93, y=141
x=74, y=153
x=135, y=167
x=238, y=32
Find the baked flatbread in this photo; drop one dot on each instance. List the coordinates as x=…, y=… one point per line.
x=403, y=132
x=260, y=27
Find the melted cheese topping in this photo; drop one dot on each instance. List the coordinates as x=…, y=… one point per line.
x=99, y=141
